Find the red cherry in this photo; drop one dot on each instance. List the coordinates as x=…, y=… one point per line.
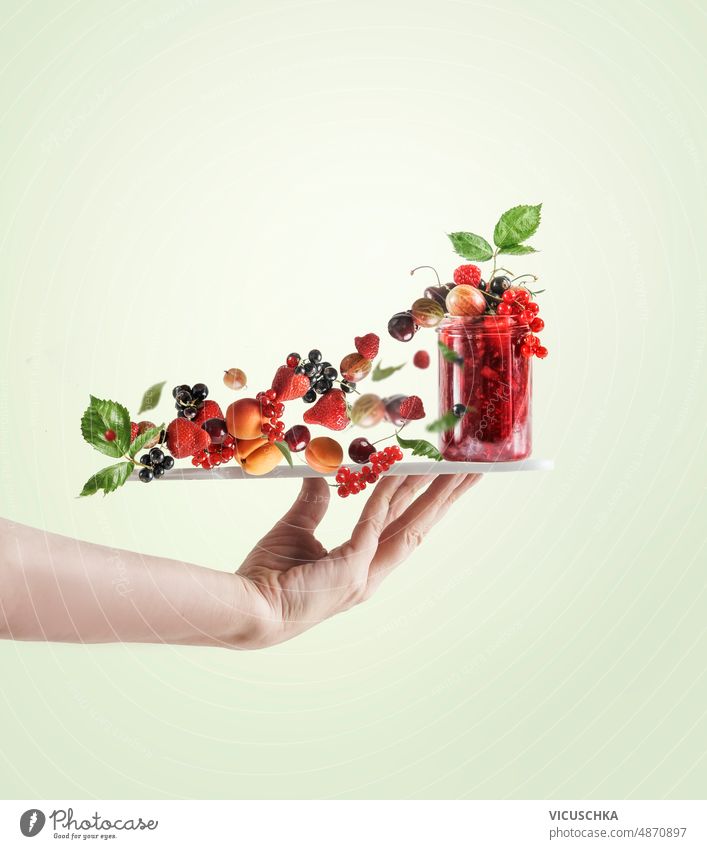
x=537, y=324
x=110, y=435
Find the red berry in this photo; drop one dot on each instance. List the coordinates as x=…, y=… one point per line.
x=525, y=317
x=411, y=408
x=367, y=346
x=293, y=361
x=134, y=430
x=526, y=350
x=509, y=295
x=537, y=324
x=342, y=475
x=343, y=491
x=110, y=435
x=523, y=297
x=533, y=307
x=421, y=359
x=541, y=351
x=504, y=308
x=271, y=394
x=469, y=275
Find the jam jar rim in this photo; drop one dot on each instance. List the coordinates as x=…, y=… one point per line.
x=480, y=324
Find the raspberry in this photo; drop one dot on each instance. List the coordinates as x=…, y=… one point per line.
x=421, y=359
x=467, y=275
x=367, y=346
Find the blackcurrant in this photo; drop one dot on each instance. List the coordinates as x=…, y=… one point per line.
x=330, y=372
x=323, y=385
x=499, y=285
x=309, y=367
x=158, y=471
x=299, y=369
x=182, y=388
x=309, y=397
x=167, y=463
x=459, y=410
x=315, y=356
x=145, y=475
x=199, y=391
x=156, y=456
x=183, y=397
x=190, y=412
x=145, y=460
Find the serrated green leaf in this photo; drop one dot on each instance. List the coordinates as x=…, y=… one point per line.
x=151, y=397
x=285, y=450
x=420, y=448
x=142, y=439
x=516, y=225
x=108, y=479
x=380, y=373
x=446, y=422
x=102, y=416
x=517, y=250
x=449, y=355
x=471, y=246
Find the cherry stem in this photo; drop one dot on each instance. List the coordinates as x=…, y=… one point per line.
x=393, y=436
x=520, y=276
x=431, y=267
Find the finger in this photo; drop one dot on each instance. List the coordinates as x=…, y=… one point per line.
x=358, y=552
x=310, y=505
x=406, y=494
x=406, y=533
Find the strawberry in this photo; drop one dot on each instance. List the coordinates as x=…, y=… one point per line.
x=185, y=438
x=367, y=345
x=209, y=410
x=133, y=431
x=411, y=408
x=329, y=411
x=289, y=385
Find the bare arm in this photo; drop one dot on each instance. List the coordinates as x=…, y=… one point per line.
x=61, y=589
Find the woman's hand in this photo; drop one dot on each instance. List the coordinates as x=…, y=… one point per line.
x=293, y=582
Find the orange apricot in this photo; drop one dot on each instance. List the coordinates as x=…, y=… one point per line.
x=244, y=418
x=262, y=460
x=324, y=454
x=245, y=447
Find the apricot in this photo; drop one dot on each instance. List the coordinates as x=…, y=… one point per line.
x=244, y=419
x=245, y=447
x=324, y=454
x=261, y=460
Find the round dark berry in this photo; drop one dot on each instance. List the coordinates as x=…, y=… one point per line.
x=309, y=368
x=156, y=456
x=322, y=385
x=145, y=460
x=315, y=356
x=297, y=437
x=181, y=388
x=183, y=397
x=402, y=326
x=145, y=475
x=216, y=428
x=199, y=391
x=158, y=471
x=190, y=412
x=180, y=414
x=330, y=372
x=309, y=397
x=167, y=463
x=325, y=364
x=360, y=450
x=499, y=285
x=299, y=369
x=459, y=410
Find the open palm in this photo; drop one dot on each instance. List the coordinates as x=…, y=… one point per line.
x=298, y=583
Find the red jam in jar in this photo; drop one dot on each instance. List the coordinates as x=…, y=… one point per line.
x=493, y=380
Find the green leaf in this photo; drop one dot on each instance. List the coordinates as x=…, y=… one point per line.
x=285, y=449
x=449, y=355
x=516, y=225
x=108, y=479
x=471, y=246
x=517, y=250
x=380, y=373
x=420, y=448
x=447, y=422
x=151, y=398
x=142, y=439
x=102, y=416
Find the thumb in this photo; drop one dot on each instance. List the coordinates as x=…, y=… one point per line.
x=310, y=505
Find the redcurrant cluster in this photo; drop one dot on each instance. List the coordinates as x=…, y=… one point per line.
x=516, y=302
x=351, y=482
x=274, y=428
x=215, y=455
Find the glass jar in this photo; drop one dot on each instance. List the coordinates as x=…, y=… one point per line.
x=493, y=381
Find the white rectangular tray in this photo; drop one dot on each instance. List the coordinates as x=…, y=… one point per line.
x=300, y=470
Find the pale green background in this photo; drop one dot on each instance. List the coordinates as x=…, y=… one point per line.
x=190, y=186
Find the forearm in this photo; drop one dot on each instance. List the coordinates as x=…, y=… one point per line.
x=61, y=589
